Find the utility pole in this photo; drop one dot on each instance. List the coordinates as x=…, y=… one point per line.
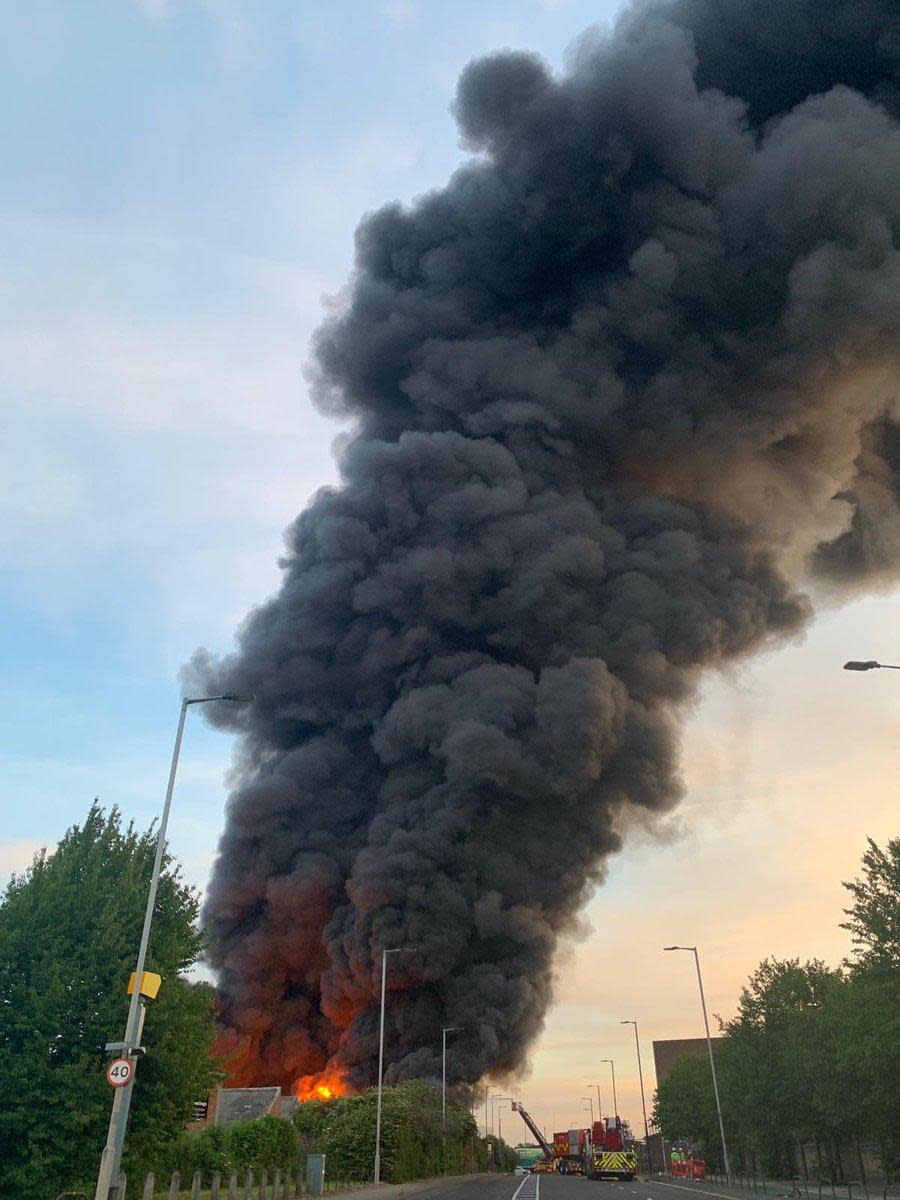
x=384, y=954
x=599, y=1106
x=111, y=1160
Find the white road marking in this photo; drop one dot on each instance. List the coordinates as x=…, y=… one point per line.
x=525, y=1179
x=700, y=1191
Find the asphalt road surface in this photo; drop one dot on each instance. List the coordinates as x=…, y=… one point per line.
x=551, y=1187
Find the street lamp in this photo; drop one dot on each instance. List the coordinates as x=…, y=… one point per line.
x=599, y=1106
x=612, y=1067
x=111, y=1159
x=637, y=1043
x=488, y=1088
x=591, y=1103
x=384, y=957
x=500, y=1108
x=493, y=1100
x=712, y=1065
x=444, y=1031
x=871, y=665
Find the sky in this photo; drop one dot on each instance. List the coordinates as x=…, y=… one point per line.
x=182, y=179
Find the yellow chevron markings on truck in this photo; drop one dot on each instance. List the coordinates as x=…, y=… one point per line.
x=616, y=1160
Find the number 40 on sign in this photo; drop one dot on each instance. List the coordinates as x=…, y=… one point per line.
x=119, y=1072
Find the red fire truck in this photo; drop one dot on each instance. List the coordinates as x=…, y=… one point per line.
x=608, y=1156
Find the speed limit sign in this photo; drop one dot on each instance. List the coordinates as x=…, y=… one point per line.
x=119, y=1072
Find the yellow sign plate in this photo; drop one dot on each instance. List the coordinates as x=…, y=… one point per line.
x=150, y=984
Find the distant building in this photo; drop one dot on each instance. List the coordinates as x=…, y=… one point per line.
x=227, y=1106
x=667, y=1053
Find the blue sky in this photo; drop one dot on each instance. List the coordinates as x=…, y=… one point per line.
x=182, y=180
x=181, y=183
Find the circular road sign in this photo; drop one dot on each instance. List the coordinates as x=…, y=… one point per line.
x=119, y=1072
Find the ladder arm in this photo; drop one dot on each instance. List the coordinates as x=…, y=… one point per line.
x=541, y=1140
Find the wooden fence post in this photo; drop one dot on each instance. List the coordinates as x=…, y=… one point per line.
x=175, y=1185
x=149, y=1184
x=214, y=1188
x=232, y=1186
x=248, y=1186
x=264, y=1186
x=196, y=1185
x=123, y=1184
x=276, y=1185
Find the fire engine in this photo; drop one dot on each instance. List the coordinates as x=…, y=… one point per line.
x=608, y=1156
x=605, y=1151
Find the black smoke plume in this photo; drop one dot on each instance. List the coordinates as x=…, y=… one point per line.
x=622, y=392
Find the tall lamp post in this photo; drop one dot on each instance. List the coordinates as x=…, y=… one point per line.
x=599, y=1106
x=488, y=1088
x=871, y=665
x=444, y=1031
x=496, y=1099
x=612, y=1067
x=111, y=1159
x=589, y=1100
x=500, y=1108
x=637, y=1042
x=384, y=958
x=712, y=1064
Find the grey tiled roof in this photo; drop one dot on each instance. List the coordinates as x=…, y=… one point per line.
x=245, y=1104
x=288, y=1106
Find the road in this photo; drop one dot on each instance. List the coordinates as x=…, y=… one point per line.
x=547, y=1187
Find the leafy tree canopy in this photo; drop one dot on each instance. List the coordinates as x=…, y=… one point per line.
x=813, y=1053
x=69, y=931
x=874, y=915
x=685, y=1107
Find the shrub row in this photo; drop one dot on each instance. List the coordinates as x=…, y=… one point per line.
x=414, y=1142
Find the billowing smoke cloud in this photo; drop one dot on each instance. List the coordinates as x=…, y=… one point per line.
x=621, y=393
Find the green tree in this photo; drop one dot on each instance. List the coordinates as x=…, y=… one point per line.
x=871, y=1039
x=874, y=916
x=413, y=1145
x=685, y=1106
x=69, y=929
x=785, y=1079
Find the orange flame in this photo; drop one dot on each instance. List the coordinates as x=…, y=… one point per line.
x=327, y=1085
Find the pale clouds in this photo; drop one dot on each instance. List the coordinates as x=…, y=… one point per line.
x=174, y=441
x=15, y=856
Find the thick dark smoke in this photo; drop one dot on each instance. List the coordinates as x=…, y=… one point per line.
x=622, y=391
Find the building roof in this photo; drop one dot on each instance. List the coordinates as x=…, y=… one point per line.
x=245, y=1104
x=288, y=1106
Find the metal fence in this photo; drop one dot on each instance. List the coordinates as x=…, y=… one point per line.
x=239, y=1185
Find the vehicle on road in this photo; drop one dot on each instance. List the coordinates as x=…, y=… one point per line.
x=608, y=1156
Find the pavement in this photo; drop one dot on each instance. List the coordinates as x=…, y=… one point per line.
x=446, y=1187
x=576, y=1187
x=780, y=1187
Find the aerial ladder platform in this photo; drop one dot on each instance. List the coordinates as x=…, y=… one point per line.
x=539, y=1137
